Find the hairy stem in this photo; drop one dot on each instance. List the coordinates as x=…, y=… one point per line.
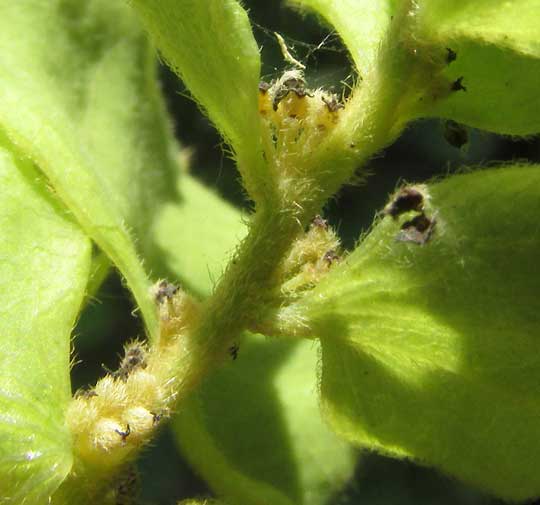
x=245, y=290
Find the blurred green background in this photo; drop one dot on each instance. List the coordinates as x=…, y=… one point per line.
x=420, y=154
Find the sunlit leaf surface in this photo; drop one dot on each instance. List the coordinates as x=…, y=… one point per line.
x=44, y=267
x=430, y=350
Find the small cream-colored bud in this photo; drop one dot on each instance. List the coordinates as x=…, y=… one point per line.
x=109, y=433
x=140, y=421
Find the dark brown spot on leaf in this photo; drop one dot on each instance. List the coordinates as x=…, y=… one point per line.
x=418, y=230
x=407, y=199
x=457, y=85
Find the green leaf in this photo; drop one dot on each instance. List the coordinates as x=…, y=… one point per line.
x=255, y=432
x=431, y=351
x=361, y=24
x=80, y=98
x=211, y=47
x=498, y=55
x=44, y=268
x=194, y=251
